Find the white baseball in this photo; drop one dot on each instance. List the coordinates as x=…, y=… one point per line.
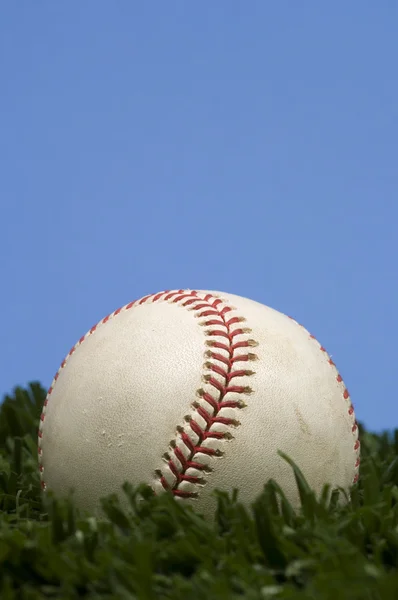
x=190, y=391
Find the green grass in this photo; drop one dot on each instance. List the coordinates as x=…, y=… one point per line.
x=161, y=549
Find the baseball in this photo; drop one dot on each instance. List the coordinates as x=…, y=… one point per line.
x=189, y=391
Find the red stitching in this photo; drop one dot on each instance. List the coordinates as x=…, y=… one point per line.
x=346, y=396
x=216, y=401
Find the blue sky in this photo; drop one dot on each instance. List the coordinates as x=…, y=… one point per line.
x=246, y=147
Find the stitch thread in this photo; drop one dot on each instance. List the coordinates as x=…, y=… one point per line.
x=185, y=458
x=346, y=396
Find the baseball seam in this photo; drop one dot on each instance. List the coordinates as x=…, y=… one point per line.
x=214, y=414
x=214, y=411
x=347, y=398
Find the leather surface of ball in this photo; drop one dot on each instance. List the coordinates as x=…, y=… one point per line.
x=189, y=391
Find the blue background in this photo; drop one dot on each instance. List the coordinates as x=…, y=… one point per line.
x=247, y=147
